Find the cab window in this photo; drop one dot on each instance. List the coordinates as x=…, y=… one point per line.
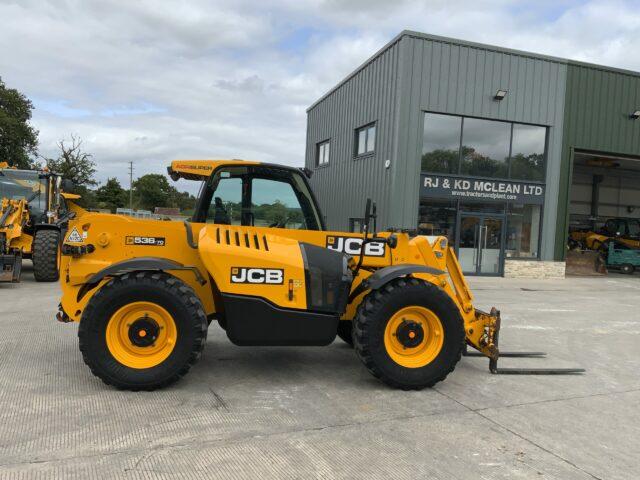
x=260, y=197
x=226, y=205
x=274, y=204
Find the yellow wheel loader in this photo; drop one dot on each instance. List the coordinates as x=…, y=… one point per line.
x=33, y=216
x=257, y=259
x=622, y=230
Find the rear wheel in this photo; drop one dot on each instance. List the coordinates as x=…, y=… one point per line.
x=345, y=329
x=142, y=331
x=627, y=268
x=46, y=255
x=409, y=334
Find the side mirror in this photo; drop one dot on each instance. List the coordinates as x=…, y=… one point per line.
x=367, y=216
x=374, y=215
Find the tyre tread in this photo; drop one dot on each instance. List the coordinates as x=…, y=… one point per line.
x=45, y=255
x=181, y=291
x=363, y=323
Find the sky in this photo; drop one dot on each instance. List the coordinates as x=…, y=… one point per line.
x=150, y=81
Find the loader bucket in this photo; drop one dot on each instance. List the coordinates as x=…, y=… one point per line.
x=584, y=263
x=11, y=266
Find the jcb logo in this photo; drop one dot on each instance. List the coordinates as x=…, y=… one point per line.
x=147, y=241
x=353, y=245
x=271, y=276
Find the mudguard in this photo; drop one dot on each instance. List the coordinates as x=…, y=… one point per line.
x=385, y=275
x=142, y=264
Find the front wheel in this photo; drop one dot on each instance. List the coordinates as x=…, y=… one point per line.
x=142, y=331
x=409, y=334
x=46, y=255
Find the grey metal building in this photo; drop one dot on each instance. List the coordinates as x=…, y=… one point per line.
x=470, y=141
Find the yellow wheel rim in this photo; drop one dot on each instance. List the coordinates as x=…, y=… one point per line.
x=413, y=337
x=141, y=335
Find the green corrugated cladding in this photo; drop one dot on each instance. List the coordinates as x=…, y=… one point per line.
x=598, y=105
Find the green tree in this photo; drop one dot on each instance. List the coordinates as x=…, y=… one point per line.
x=474, y=163
x=528, y=167
x=182, y=200
x=111, y=195
x=87, y=197
x=73, y=163
x=18, y=139
x=152, y=190
x=441, y=161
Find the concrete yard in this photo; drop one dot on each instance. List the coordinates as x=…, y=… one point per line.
x=317, y=413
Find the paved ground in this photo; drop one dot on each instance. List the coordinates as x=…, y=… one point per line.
x=316, y=413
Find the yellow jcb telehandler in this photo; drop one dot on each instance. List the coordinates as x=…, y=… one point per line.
x=257, y=259
x=33, y=217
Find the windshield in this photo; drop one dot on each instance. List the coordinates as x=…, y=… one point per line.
x=19, y=184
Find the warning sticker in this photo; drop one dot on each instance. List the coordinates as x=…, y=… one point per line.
x=75, y=237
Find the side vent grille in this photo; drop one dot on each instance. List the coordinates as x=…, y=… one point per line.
x=228, y=236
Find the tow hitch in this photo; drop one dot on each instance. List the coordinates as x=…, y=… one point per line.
x=490, y=349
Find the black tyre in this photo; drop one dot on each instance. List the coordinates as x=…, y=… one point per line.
x=627, y=268
x=345, y=329
x=46, y=255
x=142, y=331
x=409, y=334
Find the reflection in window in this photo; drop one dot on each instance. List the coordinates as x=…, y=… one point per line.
x=527, y=157
x=226, y=206
x=523, y=231
x=437, y=218
x=18, y=185
x=441, y=143
x=485, y=148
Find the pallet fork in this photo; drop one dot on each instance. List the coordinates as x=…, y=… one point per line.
x=493, y=338
x=485, y=330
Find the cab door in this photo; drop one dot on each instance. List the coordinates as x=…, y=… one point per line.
x=259, y=196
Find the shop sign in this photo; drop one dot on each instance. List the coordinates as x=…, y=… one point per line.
x=469, y=188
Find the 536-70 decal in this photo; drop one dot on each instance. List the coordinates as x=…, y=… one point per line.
x=353, y=245
x=145, y=241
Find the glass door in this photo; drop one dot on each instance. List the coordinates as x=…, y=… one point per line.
x=481, y=244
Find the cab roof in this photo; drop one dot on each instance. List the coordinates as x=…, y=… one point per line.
x=12, y=168
x=202, y=169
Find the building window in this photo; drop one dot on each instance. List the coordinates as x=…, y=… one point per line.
x=453, y=144
x=366, y=139
x=441, y=143
x=485, y=148
x=527, y=152
x=322, y=153
x=523, y=231
x=438, y=218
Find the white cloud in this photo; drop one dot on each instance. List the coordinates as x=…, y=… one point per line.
x=151, y=81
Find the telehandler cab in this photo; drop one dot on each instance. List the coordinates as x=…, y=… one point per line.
x=256, y=258
x=33, y=216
